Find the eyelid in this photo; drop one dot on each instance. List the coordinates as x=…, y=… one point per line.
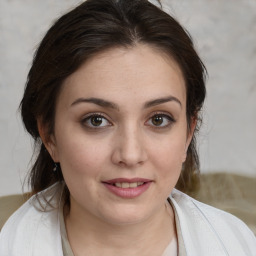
x=95, y=114
x=164, y=113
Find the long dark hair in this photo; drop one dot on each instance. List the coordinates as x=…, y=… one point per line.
x=90, y=28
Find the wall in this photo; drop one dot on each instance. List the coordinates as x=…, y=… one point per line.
x=224, y=33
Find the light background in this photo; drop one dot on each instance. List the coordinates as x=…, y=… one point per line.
x=224, y=32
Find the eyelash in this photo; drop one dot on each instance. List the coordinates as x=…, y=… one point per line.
x=170, y=120
x=88, y=118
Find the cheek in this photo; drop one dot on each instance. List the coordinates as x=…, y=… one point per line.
x=81, y=165
x=167, y=163
x=80, y=156
x=168, y=158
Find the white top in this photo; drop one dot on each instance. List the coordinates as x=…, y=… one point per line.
x=172, y=248
x=202, y=230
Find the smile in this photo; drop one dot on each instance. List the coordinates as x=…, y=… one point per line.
x=128, y=185
x=128, y=188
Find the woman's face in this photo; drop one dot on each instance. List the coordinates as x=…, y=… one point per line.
x=121, y=134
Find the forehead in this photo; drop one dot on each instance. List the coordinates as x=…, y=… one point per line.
x=141, y=72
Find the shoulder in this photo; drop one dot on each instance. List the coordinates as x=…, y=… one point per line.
x=211, y=213
x=31, y=224
x=206, y=221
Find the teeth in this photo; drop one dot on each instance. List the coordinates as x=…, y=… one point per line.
x=133, y=185
x=125, y=185
x=119, y=185
x=128, y=185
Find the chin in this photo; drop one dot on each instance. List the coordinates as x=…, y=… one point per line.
x=126, y=216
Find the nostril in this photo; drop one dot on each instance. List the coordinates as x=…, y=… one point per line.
x=121, y=163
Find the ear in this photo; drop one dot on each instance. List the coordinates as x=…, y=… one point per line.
x=48, y=140
x=190, y=134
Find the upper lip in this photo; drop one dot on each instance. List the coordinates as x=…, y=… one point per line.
x=122, y=180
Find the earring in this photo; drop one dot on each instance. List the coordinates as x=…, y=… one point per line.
x=55, y=167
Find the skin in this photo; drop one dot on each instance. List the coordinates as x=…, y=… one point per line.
x=127, y=144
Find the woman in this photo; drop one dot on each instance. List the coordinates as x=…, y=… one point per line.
x=113, y=101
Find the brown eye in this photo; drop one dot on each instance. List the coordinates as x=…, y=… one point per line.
x=160, y=121
x=96, y=120
x=157, y=120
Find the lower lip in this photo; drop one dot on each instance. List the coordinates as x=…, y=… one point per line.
x=128, y=192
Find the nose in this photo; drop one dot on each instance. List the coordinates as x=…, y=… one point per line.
x=129, y=150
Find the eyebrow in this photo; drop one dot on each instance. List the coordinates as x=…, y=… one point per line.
x=108, y=104
x=159, y=101
x=97, y=101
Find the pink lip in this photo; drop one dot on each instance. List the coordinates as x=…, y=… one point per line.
x=127, y=192
x=126, y=180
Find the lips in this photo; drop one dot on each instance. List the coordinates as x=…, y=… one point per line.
x=127, y=188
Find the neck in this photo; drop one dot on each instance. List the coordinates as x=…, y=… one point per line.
x=88, y=235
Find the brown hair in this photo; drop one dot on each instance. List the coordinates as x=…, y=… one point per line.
x=90, y=28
